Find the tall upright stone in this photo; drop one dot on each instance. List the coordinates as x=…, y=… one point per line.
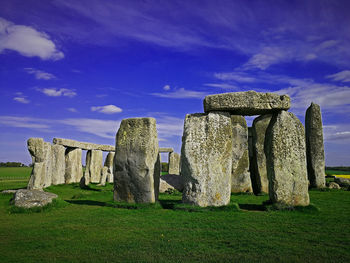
x=315, y=146
x=94, y=161
x=240, y=178
x=174, y=163
x=259, y=173
x=74, y=168
x=40, y=152
x=109, y=163
x=137, y=163
x=286, y=160
x=58, y=164
x=206, y=159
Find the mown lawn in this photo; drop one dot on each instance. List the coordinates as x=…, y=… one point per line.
x=87, y=226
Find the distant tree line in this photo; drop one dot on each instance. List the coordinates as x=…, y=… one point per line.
x=11, y=164
x=338, y=168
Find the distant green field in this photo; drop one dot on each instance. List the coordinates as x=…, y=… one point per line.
x=335, y=172
x=14, y=177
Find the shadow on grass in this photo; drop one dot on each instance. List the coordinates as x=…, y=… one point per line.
x=252, y=207
x=169, y=204
x=114, y=204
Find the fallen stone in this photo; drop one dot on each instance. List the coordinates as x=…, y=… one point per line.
x=259, y=173
x=166, y=150
x=240, y=178
x=170, y=181
x=247, y=103
x=74, y=168
x=137, y=162
x=94, y=160
x=333, y=185
x=10, y=191
x=58, y=164
x=286, y=160
x=32, y=198
x=174, y=163
x=83, y=145
x=206, y=159
x=343, y=182
x=315, y=147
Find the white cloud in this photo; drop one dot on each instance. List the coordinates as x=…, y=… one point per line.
x=52, y=92
x=235, y=76
x=27, y=41
x=108, y=109
x=166, y=87
x=336, y=133
x=343, y=76
x=72, y=109
x=181, y=94
x=39, y=74
x=24, y=122
x=21, y=100
x=101, y=128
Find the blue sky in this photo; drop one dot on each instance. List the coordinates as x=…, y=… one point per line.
x=75, y=69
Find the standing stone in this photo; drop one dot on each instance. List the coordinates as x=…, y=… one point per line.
x=74, y=169
x=109, y=163
x=104, y=173
x=206, y=159
x=40, y=152
x=315, y=147
x=174, y=163
x=259, y=173
x=94, y=161
x=240, y=178
x=58, y=164
x=286, y=160
x=137, y=162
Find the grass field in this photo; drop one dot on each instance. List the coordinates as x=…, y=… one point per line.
x=87, y=226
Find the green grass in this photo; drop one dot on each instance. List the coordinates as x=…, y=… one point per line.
x=14, y=177
x=90, y=227
x=335, y=172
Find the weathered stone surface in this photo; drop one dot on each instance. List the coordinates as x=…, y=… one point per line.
x=344, y=182
x=315, y=146
x=247, y=103
x=166, y=150
x=286, y=160
x=32, y=198
x=10, y=191
x=74, y=169
x=333, y=185
x=260, y=181
x=83, y=145
x=42, y=168
x=109, y=163
x=104, y=173
x=137, y=162
x=94, y=161
x=36, y=149
x=240, y=178
x=206, y=159
x=58, y=164
x=170, y=181
x=174, y=163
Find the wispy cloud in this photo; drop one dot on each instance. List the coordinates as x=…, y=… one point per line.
x=101, y=128
x=27, y=41
x=72, y=110
x=39, y=74
x=166, y=87
x=337, y=133
x=53, y=92
x=343, y=76
x=181, y=94
x=20, y=97
x=107, y=109
x=24, y=122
